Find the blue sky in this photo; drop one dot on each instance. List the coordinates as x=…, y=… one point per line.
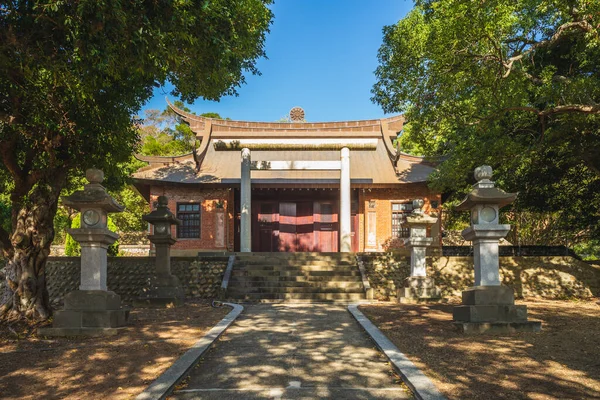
x=321, y=57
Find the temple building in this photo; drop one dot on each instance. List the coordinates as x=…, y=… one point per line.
x=297, y=186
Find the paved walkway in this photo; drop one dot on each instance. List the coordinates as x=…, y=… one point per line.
x=293, y=351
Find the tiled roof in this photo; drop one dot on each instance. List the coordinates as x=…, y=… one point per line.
x=379, y=165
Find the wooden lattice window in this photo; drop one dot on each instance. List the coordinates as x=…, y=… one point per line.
x=189, y=214
x=399, y=213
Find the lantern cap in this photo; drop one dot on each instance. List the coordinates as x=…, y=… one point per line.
x=485, y=191
x=93, y=195
x=161, y=213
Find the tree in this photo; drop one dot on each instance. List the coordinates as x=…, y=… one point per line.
x=165, y=134
x=73, y=248
x=71, y=76
x=511, y=83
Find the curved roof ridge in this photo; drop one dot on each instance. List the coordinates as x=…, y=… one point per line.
x=296, y=125
x=162, y=159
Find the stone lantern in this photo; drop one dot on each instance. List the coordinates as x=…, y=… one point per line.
x=92, y=310
x=488, y=306
x=419, y=287
x=165, y=288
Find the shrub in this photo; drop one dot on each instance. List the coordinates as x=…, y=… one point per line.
x=73, y=249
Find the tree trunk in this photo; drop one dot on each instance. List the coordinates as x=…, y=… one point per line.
x=33, y=232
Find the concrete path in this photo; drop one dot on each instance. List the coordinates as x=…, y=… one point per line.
x=293, y=351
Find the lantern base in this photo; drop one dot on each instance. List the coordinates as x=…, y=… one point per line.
x=420, y=289
x=88, y=313
x=164, y=290
x=491, y=309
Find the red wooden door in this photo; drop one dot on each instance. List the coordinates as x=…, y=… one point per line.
x=304, y=226
x=327, y=227
x=264, y=232
x=287, y=226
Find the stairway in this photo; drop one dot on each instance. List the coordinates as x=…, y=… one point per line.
x=295, y=277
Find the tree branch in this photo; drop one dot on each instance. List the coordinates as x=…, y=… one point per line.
x=578, y=108
x=5, y=241
x=7, y=151
x=581, y=25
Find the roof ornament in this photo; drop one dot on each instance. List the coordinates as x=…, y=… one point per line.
x=297, y=114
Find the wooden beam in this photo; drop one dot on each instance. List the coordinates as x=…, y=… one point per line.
x=296, y=165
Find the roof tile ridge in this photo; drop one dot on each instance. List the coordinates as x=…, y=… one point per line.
x=389, y=146
x=186, y=115
x=161, y=159
x=200, y=154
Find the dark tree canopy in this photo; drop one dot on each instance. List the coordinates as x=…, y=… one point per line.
x=511, y=83
x=72, y=74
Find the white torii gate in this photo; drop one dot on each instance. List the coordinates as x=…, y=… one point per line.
x=245, y=192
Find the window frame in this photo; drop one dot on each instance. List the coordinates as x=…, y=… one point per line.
x=400, y=232
x=180, y=229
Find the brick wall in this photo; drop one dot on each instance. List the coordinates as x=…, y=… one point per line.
x=208, y=199
x=383, y=199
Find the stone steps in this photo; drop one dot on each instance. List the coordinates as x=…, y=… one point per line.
x=292, y=289
x=300, y=296
x=295, y=276
x=297, y=272
x=293, y=263
x=307, y=284
x=303, y=268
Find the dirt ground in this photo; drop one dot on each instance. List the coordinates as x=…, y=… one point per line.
x=561, y=362
x=118, y=367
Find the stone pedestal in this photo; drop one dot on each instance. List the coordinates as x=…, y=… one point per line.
x=92, y=310
x=491, y=309
x=164, y=288
x=419, y=289
x=88, y=313
x=488, y=307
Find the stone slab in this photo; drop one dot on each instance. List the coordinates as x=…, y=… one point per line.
x=83, y=332
x=164, y=292
x=490, y=313
x=488, y=295
x=292, y=393
x=158, y=302
x=293, y=346
x=498, y=327
x=92, y=300
x=421, y=386
x=90, y=319
x=419, y=300
x=420, y=282
x=164, y=384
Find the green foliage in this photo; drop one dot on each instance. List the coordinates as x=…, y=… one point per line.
x=136, y=206
x=72, y=75
x=165, y=134
x=513, y=84
x=73, y=249
x=588, y=249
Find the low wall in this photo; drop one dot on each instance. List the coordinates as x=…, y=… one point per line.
x=129, y=276
x=556, y=277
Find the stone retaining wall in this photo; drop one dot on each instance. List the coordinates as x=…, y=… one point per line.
x=129, y=276
x=548, y=277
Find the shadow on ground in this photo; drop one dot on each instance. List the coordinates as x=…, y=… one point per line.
x=561, y=362
x=118, y=367
x=300, y=350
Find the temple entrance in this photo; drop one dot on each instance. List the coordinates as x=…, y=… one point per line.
x=299, y=220
x=296, y=220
